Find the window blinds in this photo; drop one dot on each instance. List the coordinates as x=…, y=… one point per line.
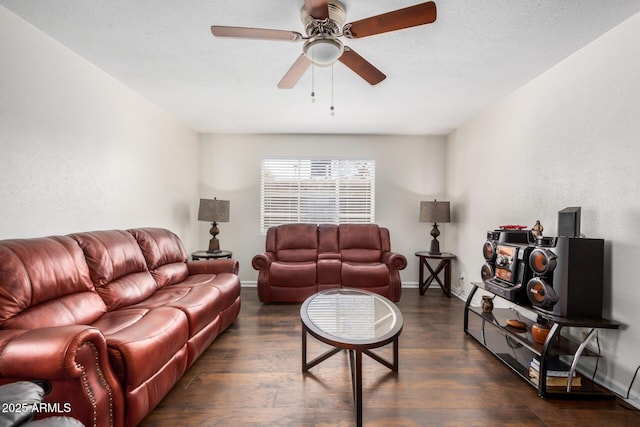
x=317, y=191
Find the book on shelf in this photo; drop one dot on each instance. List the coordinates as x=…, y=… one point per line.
x=576, y=381
x=555, y=367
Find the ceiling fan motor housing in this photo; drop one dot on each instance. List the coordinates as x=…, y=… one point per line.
x=331, y=26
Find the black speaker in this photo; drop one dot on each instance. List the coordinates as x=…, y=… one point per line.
x=568, y=277
x=569, y=222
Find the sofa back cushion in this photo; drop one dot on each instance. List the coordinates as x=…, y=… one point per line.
x=360, y=242
x=294, y=242
x=45, y=282
x=164, y=254
x=117, y=267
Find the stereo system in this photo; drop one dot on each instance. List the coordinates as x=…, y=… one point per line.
x=562, y=276
x=506, y=253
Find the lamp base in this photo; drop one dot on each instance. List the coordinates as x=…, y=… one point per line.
x=435, y=245
x=214, y=243
x=214, y=246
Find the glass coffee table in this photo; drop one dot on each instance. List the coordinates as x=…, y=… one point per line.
x=354, y=320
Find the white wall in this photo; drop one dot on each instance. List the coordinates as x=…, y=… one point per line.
x=79, y=151
x=408, y=169
x=568, y=138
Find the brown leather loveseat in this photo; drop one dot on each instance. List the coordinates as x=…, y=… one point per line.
x=302, y=259
x=109, y=319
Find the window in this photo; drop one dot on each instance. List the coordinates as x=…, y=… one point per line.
x=317, y=191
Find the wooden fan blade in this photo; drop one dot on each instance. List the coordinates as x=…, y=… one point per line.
x=294, y=74
x=361, y=66
x=412, y=16
x=255, y=33
x=317, y=8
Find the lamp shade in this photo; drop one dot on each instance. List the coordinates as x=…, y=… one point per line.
x=435, y=212
x=213, y=210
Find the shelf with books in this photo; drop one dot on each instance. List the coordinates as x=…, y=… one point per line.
x=559, y=373
x=556, y=381
x=547, y=366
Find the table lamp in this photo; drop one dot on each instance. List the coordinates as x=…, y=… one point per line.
x=214, y=211
x=435, y=212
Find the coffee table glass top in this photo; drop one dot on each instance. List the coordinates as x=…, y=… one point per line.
x=352, y=316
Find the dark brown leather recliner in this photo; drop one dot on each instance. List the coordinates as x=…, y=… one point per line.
x=302, y=259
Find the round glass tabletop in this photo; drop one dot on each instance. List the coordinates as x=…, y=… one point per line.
x=352, y=316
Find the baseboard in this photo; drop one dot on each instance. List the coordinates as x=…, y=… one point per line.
x=254, y=284
x=458, y=293
x=248, y=284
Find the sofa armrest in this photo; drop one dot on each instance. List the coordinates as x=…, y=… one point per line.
x=73, y=359
x=50, y=352
x=213, y=266
x=263, y=260
x=394, y=260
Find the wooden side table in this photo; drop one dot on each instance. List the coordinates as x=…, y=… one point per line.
x=197, y=255
x=444, y=259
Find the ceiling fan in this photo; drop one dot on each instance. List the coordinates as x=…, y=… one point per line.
x=324, y=22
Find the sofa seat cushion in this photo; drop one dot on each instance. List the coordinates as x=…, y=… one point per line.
x=227, y=284
x=201, y=304
x=364, y=275
x=141, y=341
x=293, y=274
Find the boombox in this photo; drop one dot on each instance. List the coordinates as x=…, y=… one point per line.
x=568, y=275
x=562, y=276
x=505, y=271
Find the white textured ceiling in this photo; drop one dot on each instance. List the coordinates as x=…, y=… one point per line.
x=438, y=75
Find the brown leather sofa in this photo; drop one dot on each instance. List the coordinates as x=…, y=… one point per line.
x=302, y=259
x=110, y=319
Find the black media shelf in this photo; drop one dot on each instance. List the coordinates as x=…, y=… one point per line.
x=516, y=347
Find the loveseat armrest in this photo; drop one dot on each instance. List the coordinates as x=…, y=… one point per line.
x=213, y=266
x=394, y=261
x=263, y=260
x=73, y=359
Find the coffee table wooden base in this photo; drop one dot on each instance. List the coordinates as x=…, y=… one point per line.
x=355, y=362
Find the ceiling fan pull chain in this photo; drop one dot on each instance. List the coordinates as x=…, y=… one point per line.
x=331, y=108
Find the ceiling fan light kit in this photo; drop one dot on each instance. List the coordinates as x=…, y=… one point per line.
x=323, y=50
x=324, y=22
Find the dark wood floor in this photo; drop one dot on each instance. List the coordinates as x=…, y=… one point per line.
x=250, y=376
